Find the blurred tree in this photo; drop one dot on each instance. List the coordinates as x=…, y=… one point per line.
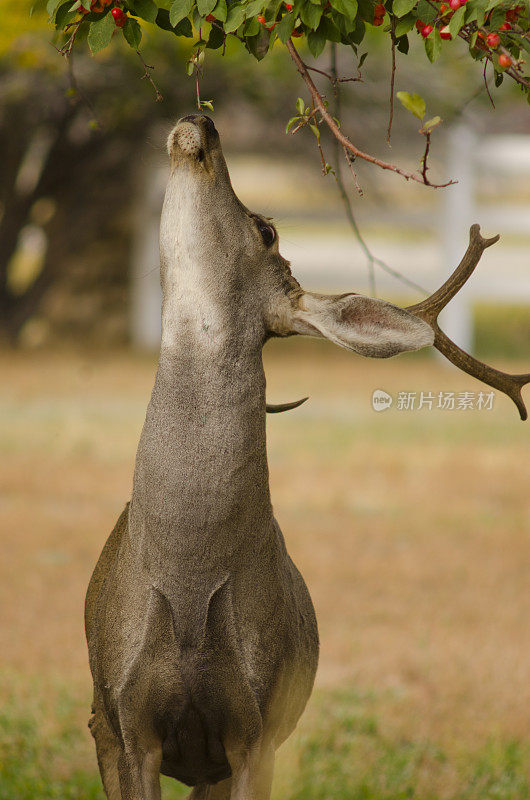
x=72, y=129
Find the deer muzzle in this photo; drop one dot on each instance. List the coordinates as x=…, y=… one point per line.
x=192, y=135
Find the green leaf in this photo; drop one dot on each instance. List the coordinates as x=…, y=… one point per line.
x=132, y=33
x=162, y=20
x=491, y=4
x=253, y=8
x=497, y=18
x=476, y=11
x=412, y=102
x=329, y=30
x=344, y=24
x=426, y=12
x=205, y=7
x=316, y=42
x=179, y=9
x=456, y=22
x=207, y=104
x=100, y=33
x=252, y=27
x=234, y=18
x=402, y=7
x=258, y=45
x=63, y=15
x=145, y=9
x=184, y=28
x=285, y=27
x=300, y=105
x=310, y=15
x=402, y=44
x=433, y=45
x=291, y=123
x=431, y=123
x=315, y=131
x=366, y=10
x=404, y=25
x=525, y=44
x=346, y=7
x=357, y=35
x=52, y=6
x=220, y=11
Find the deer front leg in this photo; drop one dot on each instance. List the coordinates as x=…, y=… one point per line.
x=139, y=773
x=108, y=752
x=205, y=791
x=252, y=778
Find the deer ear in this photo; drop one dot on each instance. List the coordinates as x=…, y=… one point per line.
x=368, y=326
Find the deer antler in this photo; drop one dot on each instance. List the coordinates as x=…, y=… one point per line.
x=429, y=309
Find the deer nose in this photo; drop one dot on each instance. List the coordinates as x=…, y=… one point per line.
x=194, y=135
x=196, y=118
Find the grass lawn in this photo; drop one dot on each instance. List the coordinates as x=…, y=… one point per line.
x=410, y=527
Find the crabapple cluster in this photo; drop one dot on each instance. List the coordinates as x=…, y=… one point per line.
x=98, y=6
x=487, y=39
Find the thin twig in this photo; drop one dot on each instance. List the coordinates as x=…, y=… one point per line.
x=337, y=133
x=66, y=49
x=486, y=62
x=78, y=91
x=304, y=121
x=392, y=79
x=334, y=80
x=232, y=33
x=371, y=260
x=349, y=161
x=424, y=166
x=147, y=76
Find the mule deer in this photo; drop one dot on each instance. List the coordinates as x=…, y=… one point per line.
x=202, y=636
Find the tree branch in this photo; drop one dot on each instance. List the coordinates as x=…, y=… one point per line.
x=147, y=76
x=392, y=80
x=337, y=133
x=371, y=260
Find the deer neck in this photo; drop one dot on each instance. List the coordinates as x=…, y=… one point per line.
x=201, y=469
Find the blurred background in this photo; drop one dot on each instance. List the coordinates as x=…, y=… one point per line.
x=411, y=526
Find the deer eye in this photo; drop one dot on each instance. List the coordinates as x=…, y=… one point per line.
x=268, y=233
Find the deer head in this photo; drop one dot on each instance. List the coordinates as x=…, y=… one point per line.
x=233, y=255
x=219, y=254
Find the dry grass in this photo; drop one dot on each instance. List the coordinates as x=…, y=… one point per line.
x=411, y=528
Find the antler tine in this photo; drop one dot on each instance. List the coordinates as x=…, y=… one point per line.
x=429, y=309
